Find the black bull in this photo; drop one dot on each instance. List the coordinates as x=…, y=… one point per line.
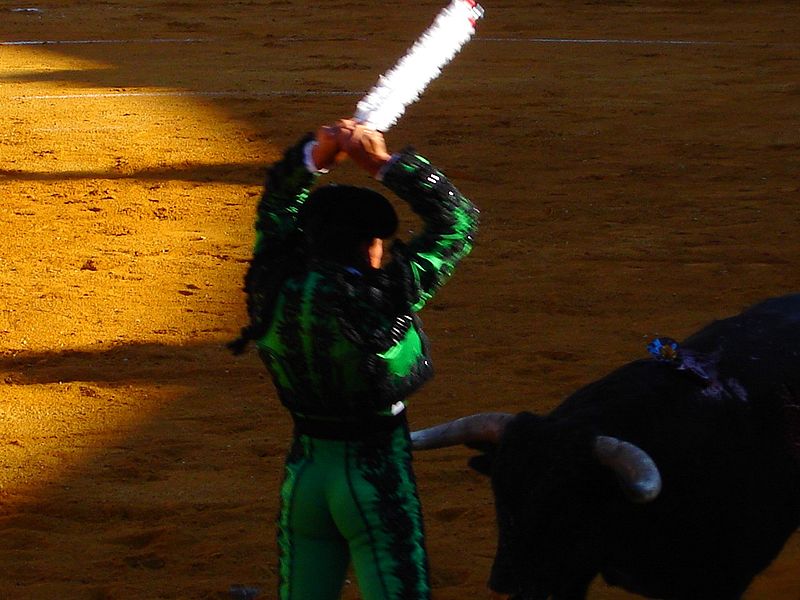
x=674, y=477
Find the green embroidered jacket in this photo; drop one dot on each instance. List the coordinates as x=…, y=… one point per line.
x=341, y=343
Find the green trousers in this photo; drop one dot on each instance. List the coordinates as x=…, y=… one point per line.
x=351, y=501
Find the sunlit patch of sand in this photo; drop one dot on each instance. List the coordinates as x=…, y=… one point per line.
x=131, y=220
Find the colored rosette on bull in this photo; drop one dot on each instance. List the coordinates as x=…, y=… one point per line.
x=664, y=348
x=667, y=350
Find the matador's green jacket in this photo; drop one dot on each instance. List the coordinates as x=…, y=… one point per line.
x=343, y=344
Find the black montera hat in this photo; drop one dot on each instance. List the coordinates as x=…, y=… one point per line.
x=335, y=217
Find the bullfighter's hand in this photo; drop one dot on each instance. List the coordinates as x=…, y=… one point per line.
x=366, y=147
x=328, y=150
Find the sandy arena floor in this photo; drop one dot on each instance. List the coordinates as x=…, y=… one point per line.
x=636, y=164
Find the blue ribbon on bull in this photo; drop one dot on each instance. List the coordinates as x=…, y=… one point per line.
x=668, y=350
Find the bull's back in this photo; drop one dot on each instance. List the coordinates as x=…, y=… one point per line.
x=760, y=350
x=761, y=344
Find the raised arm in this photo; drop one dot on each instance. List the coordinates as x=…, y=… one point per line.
x=450, y=219
x=288, y=183
x=278, y=244
x=450, y=222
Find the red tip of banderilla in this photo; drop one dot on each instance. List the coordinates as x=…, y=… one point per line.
x=476, y=9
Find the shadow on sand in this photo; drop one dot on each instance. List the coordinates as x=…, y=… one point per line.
x=179, y=458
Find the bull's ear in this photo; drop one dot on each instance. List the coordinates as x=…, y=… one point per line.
x=484, y=461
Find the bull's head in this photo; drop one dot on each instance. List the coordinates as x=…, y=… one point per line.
x=635, y=470
x=530, y=481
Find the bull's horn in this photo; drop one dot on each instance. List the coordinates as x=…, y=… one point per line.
x=483, y=427
x=636, y=471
